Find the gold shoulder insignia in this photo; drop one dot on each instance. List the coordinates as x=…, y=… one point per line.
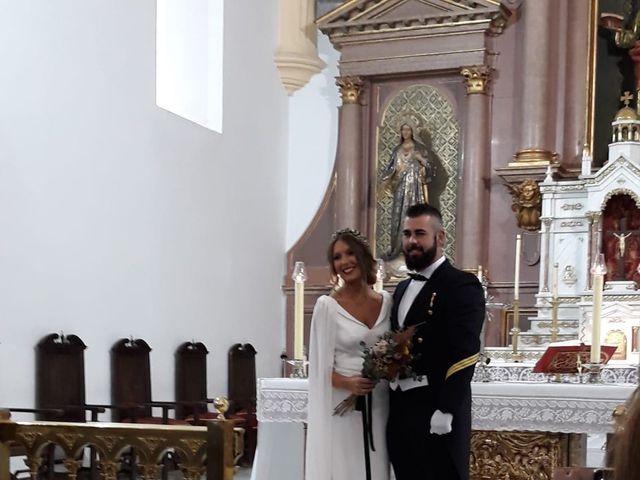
x=462, y=364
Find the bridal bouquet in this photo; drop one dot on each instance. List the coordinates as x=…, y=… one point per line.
x=386, y=359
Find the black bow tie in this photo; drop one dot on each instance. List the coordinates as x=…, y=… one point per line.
x=417, y=276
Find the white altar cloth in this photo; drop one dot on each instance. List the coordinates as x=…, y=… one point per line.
x=515, y=406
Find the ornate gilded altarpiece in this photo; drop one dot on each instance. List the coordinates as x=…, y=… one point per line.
x=518, y=455
x=438, y=128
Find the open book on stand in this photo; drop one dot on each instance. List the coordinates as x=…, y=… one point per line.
x=566, y=357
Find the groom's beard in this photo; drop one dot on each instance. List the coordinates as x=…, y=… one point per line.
x=417, y=263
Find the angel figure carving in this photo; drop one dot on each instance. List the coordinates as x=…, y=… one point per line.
x=406, y=178
x=526, y=203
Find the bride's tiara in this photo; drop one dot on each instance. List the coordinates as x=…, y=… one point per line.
x=351, y=232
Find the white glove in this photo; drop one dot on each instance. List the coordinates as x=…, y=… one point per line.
x=441, y=422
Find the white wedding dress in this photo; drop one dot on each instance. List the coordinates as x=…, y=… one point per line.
x=335, y=449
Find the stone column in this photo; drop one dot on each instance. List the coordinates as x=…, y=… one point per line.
x=545, y=254
x=537, y=80
x=473, y=209
x=348, y=203
x=575, y=101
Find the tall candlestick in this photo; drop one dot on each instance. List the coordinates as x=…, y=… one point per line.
x=598, y=270
x=554, y=281
x=516, y=281
x=299, y=276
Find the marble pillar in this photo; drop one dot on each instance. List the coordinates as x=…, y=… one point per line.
x=349, y=162
x=538, y=83
x=474, y=204
x=575, y=93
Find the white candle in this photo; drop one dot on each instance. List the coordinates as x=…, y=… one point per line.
x=598, y=271
x=554, y=282
x=516, y=282
x=298, y=328
x=480, y=273
x=299, y=276
x=598, y=283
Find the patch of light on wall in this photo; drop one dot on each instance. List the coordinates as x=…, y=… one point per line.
x=189, y=63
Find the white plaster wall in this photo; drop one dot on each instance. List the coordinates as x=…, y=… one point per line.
x=313, y=135
x=118, y=218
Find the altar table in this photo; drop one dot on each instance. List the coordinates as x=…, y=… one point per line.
x=514, y=406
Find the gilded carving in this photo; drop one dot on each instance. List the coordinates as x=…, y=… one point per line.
x=192, y=473
x=72, y=466
x=350, y=89
x=476, y=78
x=33, y=462
x=150, y=471
x=152, y=443
x=530, y=157
x=110, y=439
x=193, y=446
x=527, y=203
x=497, y=26
x=109, y=469
x=67, y=440
x=515, y=455
x=28, y=439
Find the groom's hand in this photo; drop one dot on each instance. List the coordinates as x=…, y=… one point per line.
x=441, y=423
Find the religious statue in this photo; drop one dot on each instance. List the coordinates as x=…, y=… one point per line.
x=626, y=37
x=621, y=242
x=617, y=60
x=526, y=203
x=406, y=177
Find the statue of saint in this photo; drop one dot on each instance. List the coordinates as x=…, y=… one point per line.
x=406, y=177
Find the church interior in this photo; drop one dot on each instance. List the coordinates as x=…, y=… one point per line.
x=167, y=275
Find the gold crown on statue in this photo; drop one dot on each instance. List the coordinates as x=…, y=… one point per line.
x=350, y=231
x=408, y=118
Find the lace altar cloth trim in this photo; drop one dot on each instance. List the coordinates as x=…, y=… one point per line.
x=543, y=414
x=534, y=406
x=523, y=373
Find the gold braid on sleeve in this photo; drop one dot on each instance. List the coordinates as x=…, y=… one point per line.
x=462, y=364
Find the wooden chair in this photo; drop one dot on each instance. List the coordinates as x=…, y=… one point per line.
x=242, y=395
x=60, y=389
x=131, y=385
x=60, y=382
x=191, y=382
x=131, y=397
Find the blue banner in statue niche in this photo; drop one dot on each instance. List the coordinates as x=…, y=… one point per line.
x=418, y=154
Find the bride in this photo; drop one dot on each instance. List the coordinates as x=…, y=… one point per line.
x=351, y=315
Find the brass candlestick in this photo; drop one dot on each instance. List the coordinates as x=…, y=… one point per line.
x=516, y=356
x=554, y=319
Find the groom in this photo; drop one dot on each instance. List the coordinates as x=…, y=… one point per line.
x=429, y=428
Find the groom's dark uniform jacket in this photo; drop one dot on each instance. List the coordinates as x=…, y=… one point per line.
x=452, y=306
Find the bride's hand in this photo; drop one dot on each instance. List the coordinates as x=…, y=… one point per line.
x=358, y=385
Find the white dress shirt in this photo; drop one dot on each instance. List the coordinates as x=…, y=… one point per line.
x=406, y=301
